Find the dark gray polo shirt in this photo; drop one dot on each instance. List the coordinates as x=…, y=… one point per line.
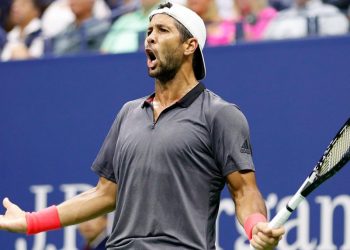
x=170, y=173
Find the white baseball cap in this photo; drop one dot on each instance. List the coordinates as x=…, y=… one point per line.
x=193, y=23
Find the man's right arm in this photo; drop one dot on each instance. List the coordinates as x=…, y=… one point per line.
x=97, y=201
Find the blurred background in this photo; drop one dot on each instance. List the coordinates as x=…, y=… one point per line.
x=53, y=28
x=67, y=67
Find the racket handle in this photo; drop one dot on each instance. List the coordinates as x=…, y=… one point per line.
x=277, y=221
x=282, y=216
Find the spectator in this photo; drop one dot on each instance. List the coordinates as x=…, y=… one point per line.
x=59, y=15
x=128, y=32
x=115, y=4
x=219, y=32
x=121, y=7
x=24, y=40
x=280, y=4
x=307, y=17
x=94, y=233
x=2, y=38
x=253, y=17
x=5, y=6
x=84, y=35
x=342, y=5
x=225, y=9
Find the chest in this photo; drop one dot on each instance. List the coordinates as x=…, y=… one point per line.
x=173, y=132
x=176, y=144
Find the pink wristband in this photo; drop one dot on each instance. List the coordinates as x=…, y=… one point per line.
x=44, y=220
x=251, y=221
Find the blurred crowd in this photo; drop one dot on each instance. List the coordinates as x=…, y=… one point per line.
x=51, y=28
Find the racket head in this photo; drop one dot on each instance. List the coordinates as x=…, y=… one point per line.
x=336, y=156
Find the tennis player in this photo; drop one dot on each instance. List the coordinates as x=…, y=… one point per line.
x=167, y=157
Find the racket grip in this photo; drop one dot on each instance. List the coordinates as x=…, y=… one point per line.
x=280, y=218
x=283, y=215
x=277, y=221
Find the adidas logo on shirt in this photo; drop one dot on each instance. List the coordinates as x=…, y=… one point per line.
x=246, y=148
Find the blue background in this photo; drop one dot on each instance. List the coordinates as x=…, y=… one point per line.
x=55, y=114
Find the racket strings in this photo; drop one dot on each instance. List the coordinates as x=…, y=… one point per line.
x=338, y=150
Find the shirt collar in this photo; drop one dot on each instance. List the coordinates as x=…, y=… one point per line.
x=33, y=26
x=185, y=101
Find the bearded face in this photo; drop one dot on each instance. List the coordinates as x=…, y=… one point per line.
x=169, y=63
x=164, y=49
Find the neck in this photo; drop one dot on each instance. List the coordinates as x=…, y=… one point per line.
x=82, y=17
x=172, y=91
x=24, y=24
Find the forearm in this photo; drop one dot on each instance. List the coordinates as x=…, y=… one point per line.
x=246, y=195
x=92, y=203
x=251, y=210
x=85, y=206
x=249, y=202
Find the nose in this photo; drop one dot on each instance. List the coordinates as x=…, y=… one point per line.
x=150, y=39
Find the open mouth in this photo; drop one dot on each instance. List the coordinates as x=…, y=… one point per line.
x=151, y=55
x=151, y=59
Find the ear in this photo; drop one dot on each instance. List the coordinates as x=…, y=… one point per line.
x=190, y=46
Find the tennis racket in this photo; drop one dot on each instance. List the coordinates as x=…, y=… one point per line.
x=334, y=158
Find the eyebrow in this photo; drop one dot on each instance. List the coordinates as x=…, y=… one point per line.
x=160, y=26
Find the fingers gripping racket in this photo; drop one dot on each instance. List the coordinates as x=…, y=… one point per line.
x=334, y=158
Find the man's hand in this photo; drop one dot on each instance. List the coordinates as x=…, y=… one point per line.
x=14, y=218
x=265, y=238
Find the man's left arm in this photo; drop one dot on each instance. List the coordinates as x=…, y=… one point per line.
x=251, y=210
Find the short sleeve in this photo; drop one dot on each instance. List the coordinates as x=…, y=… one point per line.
x=231, y=140
x=103, y=164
